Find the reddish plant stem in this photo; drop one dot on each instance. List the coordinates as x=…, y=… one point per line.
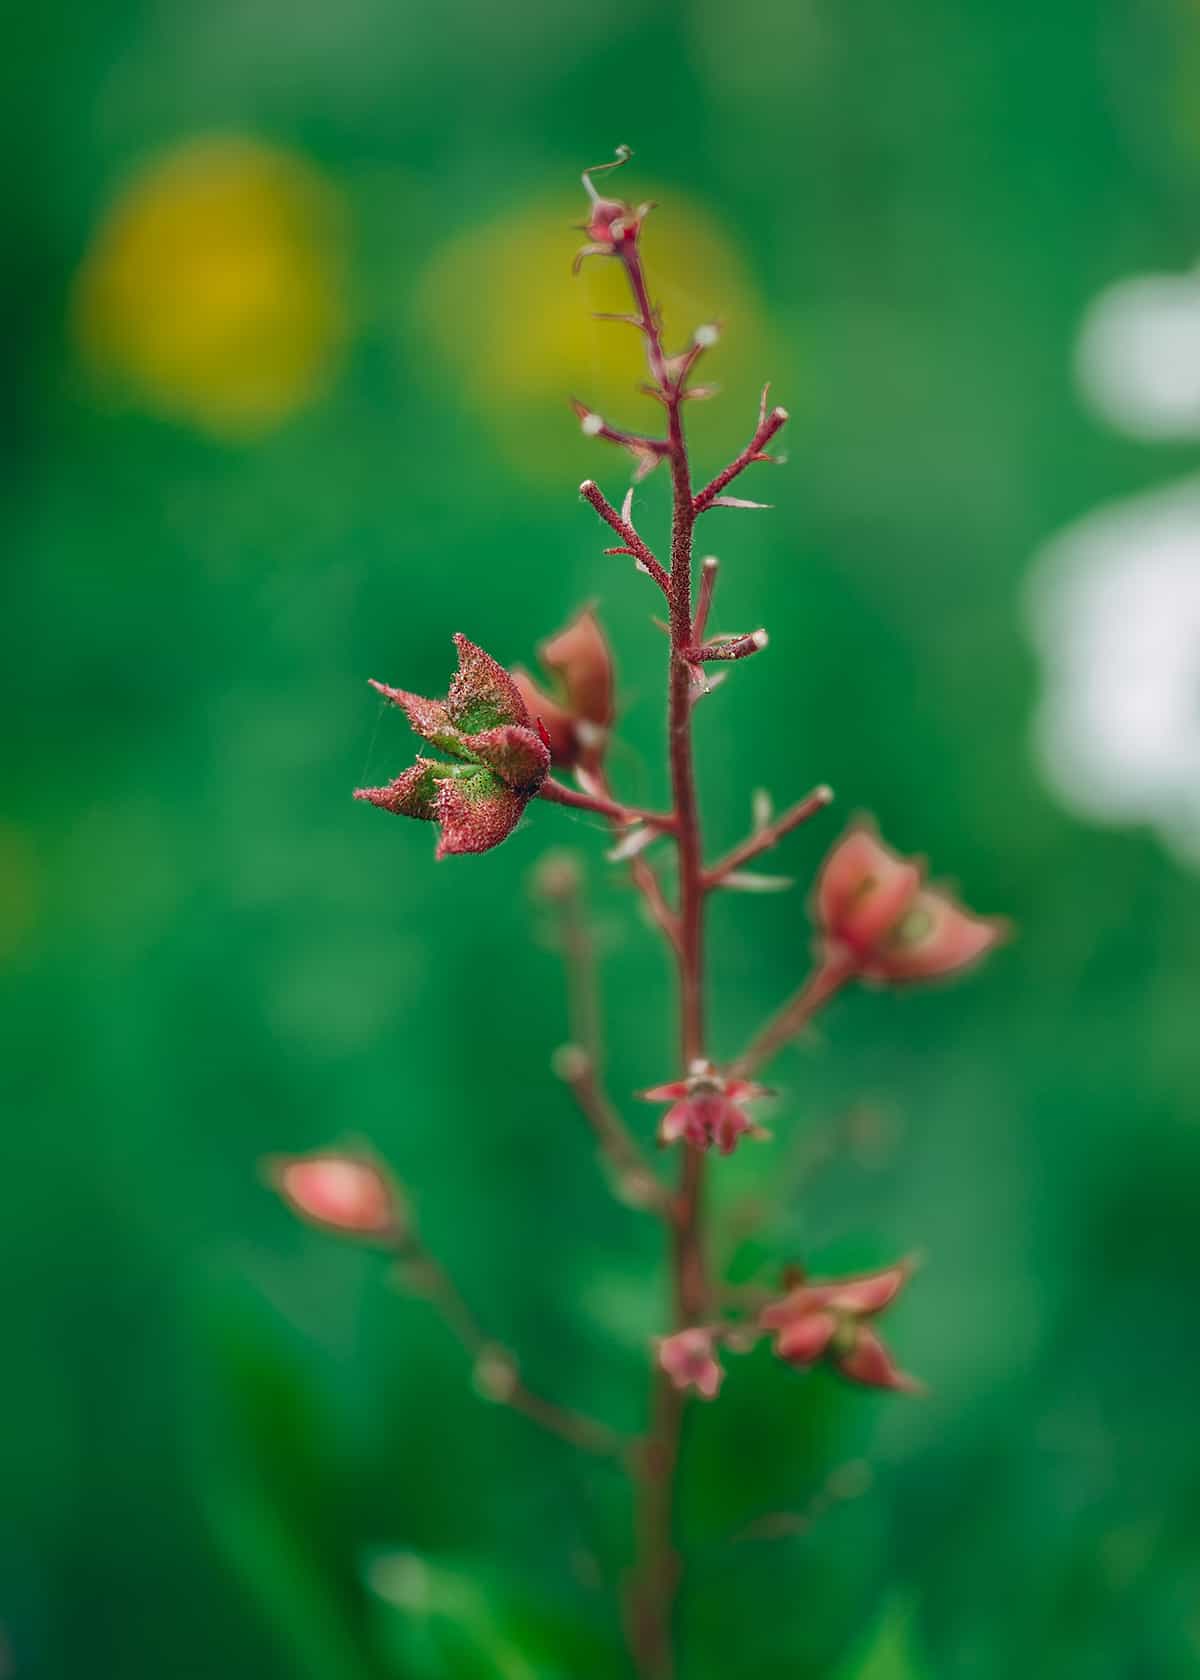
x=767, y=426
x=656, y=1578
x=559, y=794
x=653, y=1586
x=496, y=1373
x=790, y=1020
x=632, y=543
x=633, y=1180
x=645, y=878
x=648, y=884
x=637, y=444
x=580, y=1065
x=769, y=836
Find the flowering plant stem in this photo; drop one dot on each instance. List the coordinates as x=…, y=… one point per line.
x=876, y=917
x=652, y=1590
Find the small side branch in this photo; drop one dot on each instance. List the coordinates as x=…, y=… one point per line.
x=645, y=879
x=646, y=451
x=633, y=1179
x=847, y=1482
x=728, y=647
x=631, y=542
x=769, y=836
x=790, y=1021
x=496, y=1374
x=767, y=426
x=580, y=1065
x=558, y=793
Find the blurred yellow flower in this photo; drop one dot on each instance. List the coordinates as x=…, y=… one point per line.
x=214, y=285
x=500, y=306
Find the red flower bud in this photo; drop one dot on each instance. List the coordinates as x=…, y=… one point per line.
x=611, y=224
x=689, y=1359
x=863, y=890
x=340, y=1192
x=578, y=717
x=499, y=759
x=555, y=719
x=611, y=221
x=612, y=227
x=826, y=1321
x=803, y=1340
x=581, y=658
x=873, y=908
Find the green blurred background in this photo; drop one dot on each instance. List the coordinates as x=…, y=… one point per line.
x=290, y=327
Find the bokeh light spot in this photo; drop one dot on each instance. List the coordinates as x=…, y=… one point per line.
x=213, y=286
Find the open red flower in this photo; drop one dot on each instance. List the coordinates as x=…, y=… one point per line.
x=578, y=716
x=498, y=760
x=875, y=911
x=707, y=1108
x=689, y=1359
x=827, y=1320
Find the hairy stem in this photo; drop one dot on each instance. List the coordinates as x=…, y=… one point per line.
x=790, y=1020
x=770, y=835
x=654, y=1585
x=559, y=794
x=580, y=1065
x=497, y=1377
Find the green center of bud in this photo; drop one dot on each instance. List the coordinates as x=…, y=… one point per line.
x=914, y=927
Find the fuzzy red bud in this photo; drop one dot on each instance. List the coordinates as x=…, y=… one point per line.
x=341, y=1192
x=873, y=907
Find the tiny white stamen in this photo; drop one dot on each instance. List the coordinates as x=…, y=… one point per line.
x=591, y=425
x=760, y=639
x=706, y=336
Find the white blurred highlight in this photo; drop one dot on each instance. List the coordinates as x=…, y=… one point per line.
x=1138, y=358
x=1114, y=608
